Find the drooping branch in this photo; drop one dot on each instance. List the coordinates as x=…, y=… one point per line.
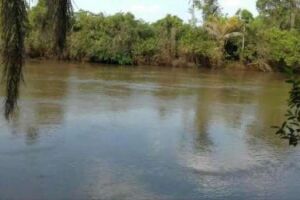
x=60, y=13
x=13, y=21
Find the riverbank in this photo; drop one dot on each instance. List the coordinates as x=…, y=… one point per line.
x=122, y=39
x=229, y=66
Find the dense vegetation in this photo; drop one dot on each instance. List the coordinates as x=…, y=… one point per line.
x=269, y=41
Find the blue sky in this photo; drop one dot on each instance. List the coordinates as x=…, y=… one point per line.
x=151, y=10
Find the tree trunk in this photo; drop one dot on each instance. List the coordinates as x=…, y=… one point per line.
x=293, y=14
x=243, y=42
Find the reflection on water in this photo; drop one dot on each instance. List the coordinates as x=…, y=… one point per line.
x=96, y=132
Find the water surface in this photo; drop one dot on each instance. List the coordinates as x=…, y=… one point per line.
x=113, y=133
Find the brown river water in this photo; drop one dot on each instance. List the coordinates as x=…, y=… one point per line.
x=112, y=133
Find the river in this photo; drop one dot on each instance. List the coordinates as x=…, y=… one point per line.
x=112, y=133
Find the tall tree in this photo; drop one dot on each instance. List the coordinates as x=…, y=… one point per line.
x=295, y=8
x=283, y=13
x=192, y=11
x=169, y=29
x=208, y=7
x=222, y=29
x=246, y=18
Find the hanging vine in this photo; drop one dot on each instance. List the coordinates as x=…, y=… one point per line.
x=60, y=13
x=13, y=22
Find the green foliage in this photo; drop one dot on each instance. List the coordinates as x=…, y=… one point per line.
x=265, y=46
x=284, y=46
x=146, y=51
x=259, y=42
x=38, y=41
x=245, y=15
x=104, y=39
x=50, y=22
x=256, y=51
x=121, y=39
x=222, y=30
x=168, y=32
x=13, y=22
x=290, y=129
x=209, y=8
x=196, y=42
x=283, y=14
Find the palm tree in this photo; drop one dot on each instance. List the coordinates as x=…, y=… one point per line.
x=13, y=15
x=222, y=29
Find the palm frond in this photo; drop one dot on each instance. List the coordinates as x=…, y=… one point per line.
x=232, y=35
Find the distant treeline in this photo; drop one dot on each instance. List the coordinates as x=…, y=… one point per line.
x=269, y=41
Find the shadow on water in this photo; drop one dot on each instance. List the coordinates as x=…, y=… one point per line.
x=42, y=102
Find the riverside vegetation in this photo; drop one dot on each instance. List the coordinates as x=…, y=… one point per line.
x=269, y=41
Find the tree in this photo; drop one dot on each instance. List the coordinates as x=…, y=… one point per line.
x=197, y=46
x=223, y=29
x=284, y=47
x=110, y=39
x=168, y=31
x=209, y=8
x=270, y=48
x=257, y=52
x=192, y=11
x=246, y=18
x=281, y=13
x=38, y=40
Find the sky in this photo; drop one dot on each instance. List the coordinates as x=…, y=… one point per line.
x=152, y=10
